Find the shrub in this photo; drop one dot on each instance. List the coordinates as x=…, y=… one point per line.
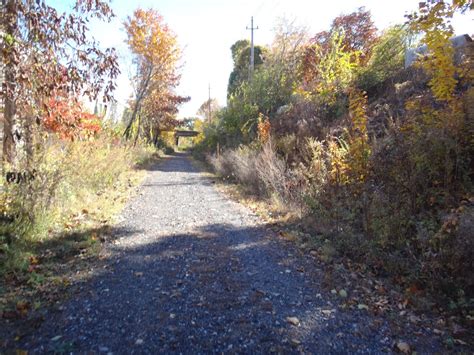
x=69, y=176
x=244, y=162
x=385, y=176
x=271, y=170
x=260, y=170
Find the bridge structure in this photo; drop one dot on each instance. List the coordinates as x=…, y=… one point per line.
x=183, y=133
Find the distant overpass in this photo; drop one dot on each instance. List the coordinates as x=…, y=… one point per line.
x=183, y=133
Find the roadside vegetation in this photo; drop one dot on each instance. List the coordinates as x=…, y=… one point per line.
x=372, y=160
x=67, y=172
x=54, y=225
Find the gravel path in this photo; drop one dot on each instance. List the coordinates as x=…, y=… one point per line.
x=193, y=272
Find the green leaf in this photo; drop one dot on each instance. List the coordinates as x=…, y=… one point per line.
x=9, y=39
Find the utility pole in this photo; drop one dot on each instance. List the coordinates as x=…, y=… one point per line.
x=209, y=104
x=252, y=53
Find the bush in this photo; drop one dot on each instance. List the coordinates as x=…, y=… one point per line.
x=69, y=177
x=244, y=161
x=165, y=142
x=222, y=164
x=271, y=171
x=261, y=171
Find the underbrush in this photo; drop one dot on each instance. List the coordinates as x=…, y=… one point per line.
x=260, y=171
x=77, y=186
x=402, y=206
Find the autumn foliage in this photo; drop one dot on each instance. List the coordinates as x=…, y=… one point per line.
x=45, y=52
x=434, y=20
x=68, y=118
x=354, y=34
x=156, y=54
x=378, y=156
x=58, y=159
x=264, y=128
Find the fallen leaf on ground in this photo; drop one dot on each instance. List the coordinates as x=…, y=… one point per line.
x=290, y=236
x=22, y=307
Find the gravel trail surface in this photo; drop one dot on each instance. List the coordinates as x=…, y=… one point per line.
x=194, y=272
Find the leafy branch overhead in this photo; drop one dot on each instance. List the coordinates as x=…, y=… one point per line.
x=46, y=54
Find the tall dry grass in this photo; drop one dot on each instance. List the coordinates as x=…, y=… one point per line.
x=71, y=179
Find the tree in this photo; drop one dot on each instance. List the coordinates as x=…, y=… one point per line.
x=156, y=55
x=271, y=87
x=188, y=123
x=158, y=113
x=237, y=49
x=241, y=57
x=208, y=110
x=359, y=36
x=275, y=80
x=198, y=126
x=69, y=119
x=359, y=30
x=46, y=54
x=334, y=70
x=286, y=51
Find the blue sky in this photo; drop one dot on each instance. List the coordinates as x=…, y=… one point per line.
x=207, y=28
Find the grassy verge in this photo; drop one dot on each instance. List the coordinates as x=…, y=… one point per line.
x=53, y=227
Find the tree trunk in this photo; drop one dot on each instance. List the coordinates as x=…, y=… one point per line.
x=9, y=23
x=140, y=96
x=128, y=129
x=28, y=136
x=156, y=136
x=138, y=131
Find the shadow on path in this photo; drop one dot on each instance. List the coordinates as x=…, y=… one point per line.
x=217, y=289
x=202, y=274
